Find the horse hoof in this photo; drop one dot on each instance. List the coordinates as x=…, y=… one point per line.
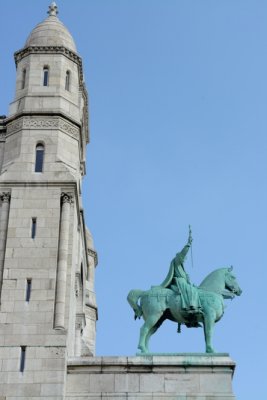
x=142, y=350
x=210, y=350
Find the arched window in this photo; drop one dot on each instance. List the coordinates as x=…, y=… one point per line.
x=39, y=158
x=67, y=81
x=45, y=76
x=23, y=79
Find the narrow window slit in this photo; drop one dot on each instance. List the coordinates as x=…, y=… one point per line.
x=28, y=289
x=45, y=76
x=23, y=79
x=22, y=358
x=39, y=158
x=34, y=223
x=67, y=81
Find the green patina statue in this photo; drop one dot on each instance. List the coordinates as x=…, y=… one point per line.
x=179, y=300
x=178, y=281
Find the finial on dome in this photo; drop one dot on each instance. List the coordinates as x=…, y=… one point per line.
x=52, y=11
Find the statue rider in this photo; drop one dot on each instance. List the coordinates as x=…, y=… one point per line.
x=178, y=280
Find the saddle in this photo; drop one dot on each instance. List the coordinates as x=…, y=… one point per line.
x=191, y=315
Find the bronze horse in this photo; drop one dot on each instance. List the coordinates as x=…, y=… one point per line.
x=158, y=304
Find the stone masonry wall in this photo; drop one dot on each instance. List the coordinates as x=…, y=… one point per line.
x=30, y=323
x=174, y=377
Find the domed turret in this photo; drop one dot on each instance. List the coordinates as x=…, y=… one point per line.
x=50, y=90
x=51, y=32
x=50, y=76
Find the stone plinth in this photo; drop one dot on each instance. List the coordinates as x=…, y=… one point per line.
x=168, y=377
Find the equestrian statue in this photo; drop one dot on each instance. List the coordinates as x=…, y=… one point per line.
x=178, y=300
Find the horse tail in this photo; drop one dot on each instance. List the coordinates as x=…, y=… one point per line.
x=133, y=297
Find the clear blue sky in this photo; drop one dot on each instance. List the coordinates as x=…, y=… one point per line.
x=178, y=117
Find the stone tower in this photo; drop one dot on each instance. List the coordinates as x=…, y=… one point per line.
x=47, y=259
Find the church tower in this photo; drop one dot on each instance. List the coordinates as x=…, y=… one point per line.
x=47, y=259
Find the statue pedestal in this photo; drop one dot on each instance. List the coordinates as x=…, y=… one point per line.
x=191, y=376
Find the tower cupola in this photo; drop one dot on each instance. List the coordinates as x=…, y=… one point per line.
x=49, y=74
x=51, y=32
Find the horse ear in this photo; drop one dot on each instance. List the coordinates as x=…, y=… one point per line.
x=230, y=269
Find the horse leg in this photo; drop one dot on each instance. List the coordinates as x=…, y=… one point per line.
x=148, y=336
x=146, y=331
x=153, y=330
x=209, y=321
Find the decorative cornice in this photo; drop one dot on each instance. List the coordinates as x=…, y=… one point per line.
x=93, y=254
x=20, y=54
x=43, y=123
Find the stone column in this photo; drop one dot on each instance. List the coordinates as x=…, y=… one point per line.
x=66, y=200
x=78, y=338
x=5, y=198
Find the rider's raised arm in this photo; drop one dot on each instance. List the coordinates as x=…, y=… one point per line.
x=184, y=251
x=186, y=248
x=178, y=260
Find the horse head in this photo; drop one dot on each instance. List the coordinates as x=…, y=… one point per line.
x=231, y=282
x=222, y=281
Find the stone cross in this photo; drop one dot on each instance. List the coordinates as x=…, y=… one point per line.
x=53, y=10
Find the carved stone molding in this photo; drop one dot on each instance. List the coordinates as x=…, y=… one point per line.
x=66, y=198
x=68, y=128
x=43, y=123
x=93, y=254
x=40, y=123
x=15, y=126
x=19, y=55
x=5, y=197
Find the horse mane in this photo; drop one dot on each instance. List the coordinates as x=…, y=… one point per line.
x=213, y=276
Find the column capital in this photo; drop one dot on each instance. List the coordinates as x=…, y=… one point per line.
x=5, y=197
x=66, y=198
x=80, y=321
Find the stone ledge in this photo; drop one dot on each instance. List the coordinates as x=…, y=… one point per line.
x=182, y=360
x=154, y=376
x=143, y=396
